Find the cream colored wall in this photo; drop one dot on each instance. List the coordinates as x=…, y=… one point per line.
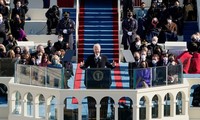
x=193, y=111
x=4, y=111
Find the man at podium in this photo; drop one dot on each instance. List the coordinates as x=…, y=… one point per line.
x=97, y=60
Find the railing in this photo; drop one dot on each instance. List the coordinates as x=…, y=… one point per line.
x=122, y=78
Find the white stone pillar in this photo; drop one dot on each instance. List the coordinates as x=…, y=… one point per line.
x=79, y=111
x=161, y=110
x=148, y=111
x=173, y=109
x=98, y=111
x=135, y=112
x=116, y=111
x=59, y=111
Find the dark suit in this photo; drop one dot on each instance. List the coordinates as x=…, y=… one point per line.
x=131, y=67
x=100, y=62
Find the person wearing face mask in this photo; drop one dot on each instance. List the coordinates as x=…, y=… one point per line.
x=173, y=70
x=136, y=45
x=169, y=30
x=48, y=49
x=141, y=17
x=4, y=10
x=154, y=45
x=132, y=66
x=177, y=14
x=52, y=16
x=60, y=44
x=143, y=76
x=155, y=61
x=129, y=27
x=55, y=62
x=66, y=27
x=18, y=10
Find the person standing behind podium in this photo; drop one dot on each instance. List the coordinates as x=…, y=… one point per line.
x=97, y=60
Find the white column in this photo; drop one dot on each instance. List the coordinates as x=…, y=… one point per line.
x=59, y=111
x=173, y=108
x=36, y=110
x=22, y=107
x=98, y=111
x=148, y=111
x=79, y=111
x=135, y=112
x=116, y=111
x=161, y=110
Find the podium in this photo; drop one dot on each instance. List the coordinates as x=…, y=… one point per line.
x=97, y=78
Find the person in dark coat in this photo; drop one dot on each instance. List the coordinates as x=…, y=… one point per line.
x=129, y=27
x=66, y=27
x=60, y=44
x=177, y=16
x=4, y=10
x=18, y=10
x=132, y=66
x=24, y=4
x=52, y=16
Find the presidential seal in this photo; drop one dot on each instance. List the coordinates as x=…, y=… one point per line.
x=98, y=75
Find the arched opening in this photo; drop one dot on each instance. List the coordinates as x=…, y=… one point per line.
x=89, y=108
x=40, y=106
x=16, y=103
x=155, y=106
x=195, y=96
x=167, y=105
x=71, y=108
x=125, y=110
x=107, y=108
x=3, y=94
x=28, y=105
x=51, y=107
x=179, y=103
x=142, y=108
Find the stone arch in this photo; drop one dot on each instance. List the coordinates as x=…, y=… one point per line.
x=40, y=106
x=168, y=103
x=51, y=107
x=155, y=106
x=143, y=106
x=3, y=94
x=125, y=110
x=107, y=107
x=28, y=104
x=89, y=107
x=16, y=102
x=192, y=89
x=70, y=108
x=180, y=103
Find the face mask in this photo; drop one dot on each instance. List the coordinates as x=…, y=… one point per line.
x=154, y=42
x=60, y=39
x=136, y=58
x=154, y=61
x=169, y=21
x=138, y=43
x=49, y=45
x=165, y=59
x=143, y=57
x=40, y=57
